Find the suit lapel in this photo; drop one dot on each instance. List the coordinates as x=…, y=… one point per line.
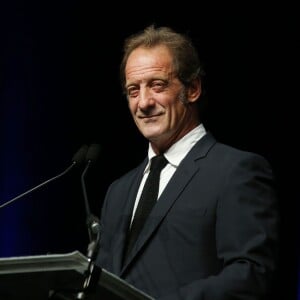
x=174, y=188
x=119, y=243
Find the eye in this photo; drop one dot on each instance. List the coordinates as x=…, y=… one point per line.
x=158, y=85
x=132, y=91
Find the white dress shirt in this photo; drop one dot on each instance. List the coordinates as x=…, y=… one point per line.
x=174, y=155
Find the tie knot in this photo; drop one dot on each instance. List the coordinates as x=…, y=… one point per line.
x=158, y=162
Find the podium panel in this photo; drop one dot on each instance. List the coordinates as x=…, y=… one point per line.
x=60, y=277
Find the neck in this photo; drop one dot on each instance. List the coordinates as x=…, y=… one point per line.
x=161, y=145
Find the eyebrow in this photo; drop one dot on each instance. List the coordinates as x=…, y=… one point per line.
x=170, y=76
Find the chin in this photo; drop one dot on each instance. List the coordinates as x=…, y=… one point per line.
x=151, y=130
x=151, y=134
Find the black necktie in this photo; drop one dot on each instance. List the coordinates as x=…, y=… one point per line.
x=147, y=200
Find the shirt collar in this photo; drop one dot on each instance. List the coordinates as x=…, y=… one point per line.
x=178, y=151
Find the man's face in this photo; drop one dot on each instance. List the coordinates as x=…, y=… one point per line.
x=158, y=101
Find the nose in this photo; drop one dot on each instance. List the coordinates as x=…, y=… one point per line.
x=145, y=98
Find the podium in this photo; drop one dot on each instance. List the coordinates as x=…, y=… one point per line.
x=61, y=277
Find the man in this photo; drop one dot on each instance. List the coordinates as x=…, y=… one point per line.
x=212, y=233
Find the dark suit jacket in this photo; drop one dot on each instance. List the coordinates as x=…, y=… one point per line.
x=212, y=235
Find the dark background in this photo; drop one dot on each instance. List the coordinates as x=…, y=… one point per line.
x=59, y=89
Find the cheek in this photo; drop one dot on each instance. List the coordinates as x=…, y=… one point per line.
x=177, y=111
x=132, y=106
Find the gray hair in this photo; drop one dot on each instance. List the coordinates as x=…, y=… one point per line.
x=186, y=62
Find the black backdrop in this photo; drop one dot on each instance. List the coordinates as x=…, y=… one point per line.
x=60, y=89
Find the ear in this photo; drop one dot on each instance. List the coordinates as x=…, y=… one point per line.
x=194, y=90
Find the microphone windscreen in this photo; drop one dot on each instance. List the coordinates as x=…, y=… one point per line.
x=80, y=155
x=93, y=152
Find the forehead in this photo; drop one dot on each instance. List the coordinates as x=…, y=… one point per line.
x=143, y=61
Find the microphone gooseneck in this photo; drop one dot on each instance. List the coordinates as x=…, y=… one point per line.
x=78, y=158
x=92, y=221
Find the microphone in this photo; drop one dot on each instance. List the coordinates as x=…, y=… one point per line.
x=92, y=221
x=78, y=158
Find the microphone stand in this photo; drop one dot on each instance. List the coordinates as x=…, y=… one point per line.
x=92, y=274
x=92, y=221
x=94, y=231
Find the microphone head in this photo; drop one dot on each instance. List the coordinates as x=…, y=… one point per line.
x=93, y=152
x=80, y=156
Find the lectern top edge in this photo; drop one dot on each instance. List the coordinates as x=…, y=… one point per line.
x=22, y=264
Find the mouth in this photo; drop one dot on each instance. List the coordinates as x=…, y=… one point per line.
x=153, y=116
x=150, y=119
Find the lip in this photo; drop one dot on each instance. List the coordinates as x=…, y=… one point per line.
x=151, y=116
